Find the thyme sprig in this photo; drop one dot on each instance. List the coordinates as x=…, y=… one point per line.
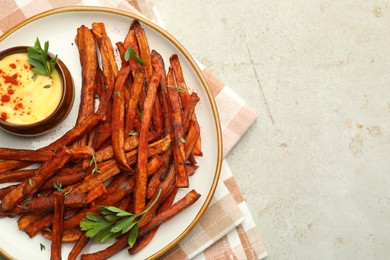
x=94, y=162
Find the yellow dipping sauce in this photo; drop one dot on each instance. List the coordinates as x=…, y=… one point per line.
x=23, y=99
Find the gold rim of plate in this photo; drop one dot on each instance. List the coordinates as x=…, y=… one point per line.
x=197, y=71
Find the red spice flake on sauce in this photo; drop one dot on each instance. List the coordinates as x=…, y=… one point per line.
x=4, y=116
x=5, y=98
x=11, y=79
x=18, y=106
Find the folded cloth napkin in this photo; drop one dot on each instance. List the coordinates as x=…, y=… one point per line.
x=227, y=229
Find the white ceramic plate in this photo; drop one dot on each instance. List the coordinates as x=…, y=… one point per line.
x=59, y=26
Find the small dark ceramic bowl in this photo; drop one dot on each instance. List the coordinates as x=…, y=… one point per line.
x=59, y=114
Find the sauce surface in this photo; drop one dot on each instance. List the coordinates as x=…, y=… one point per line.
x=24, y=98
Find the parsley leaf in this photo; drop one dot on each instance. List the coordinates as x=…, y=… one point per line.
x=39, y=58
x=113, y=222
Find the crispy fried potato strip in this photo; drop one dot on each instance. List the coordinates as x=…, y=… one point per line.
x=56, y=242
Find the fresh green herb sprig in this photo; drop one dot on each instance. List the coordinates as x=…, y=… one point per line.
x=24, y=205
x=180, y=89
x=130, y=52
x=58, y=186
x=39, y=58
x=133, y=132
x=113, y=223
x=94, y=162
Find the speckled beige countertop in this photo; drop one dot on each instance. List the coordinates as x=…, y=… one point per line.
x=315, y=166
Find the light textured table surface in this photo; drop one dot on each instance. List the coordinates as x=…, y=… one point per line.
x=315, y=167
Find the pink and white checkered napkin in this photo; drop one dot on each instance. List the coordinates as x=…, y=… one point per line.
x=227, y=229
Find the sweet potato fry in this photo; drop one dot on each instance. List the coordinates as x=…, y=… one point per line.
x=161, y=122
x=154, y=164
x=121, y=49
x=15, y=176
x=89, y=70
x=96, y=192
x=70, y=235
x=114, y=185
x=26, y=219
x=24, y=155
x=120, y=243
x=166, y=187
x=89, y=64
x=189, y=199
x=41, y=223
x=39, y=155
x=189, y=110
x=109, y=66
x=107, y=152
x=131, y=40
x=58, y=219
x=107, y=171
x=157, y=147
x=156, y=179
x=132, y=106
x=64, y=180
x=197, y=151
x=102, y=133
x=158, y=65
x=78, y=247
x=10, y=165
x=184, y=94
x=118, y=120
x=46, y=204
x=192, y=137
x=101, y=92
x=144, y=49
x=141, y=243
x=5, y=190
x=28, y=187
x=100, y=33
x=191, y=169
x=178, y=133
x=76, y=132
x=141, y=175
x=179, y=78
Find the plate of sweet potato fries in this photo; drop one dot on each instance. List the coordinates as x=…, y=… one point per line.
x=132, y=169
